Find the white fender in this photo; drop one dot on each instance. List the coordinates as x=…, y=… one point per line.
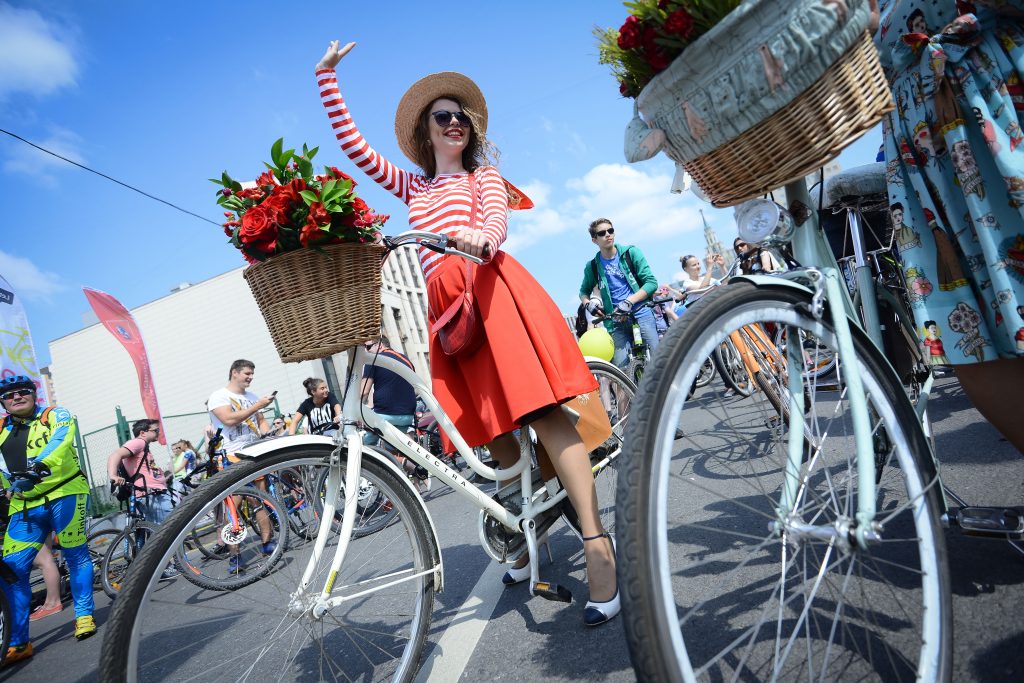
x=323, y=446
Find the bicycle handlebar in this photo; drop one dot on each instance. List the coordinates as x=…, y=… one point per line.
x=442, y=244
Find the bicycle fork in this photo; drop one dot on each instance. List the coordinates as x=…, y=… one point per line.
x=827, y=292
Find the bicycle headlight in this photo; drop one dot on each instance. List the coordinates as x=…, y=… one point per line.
x=762, y=221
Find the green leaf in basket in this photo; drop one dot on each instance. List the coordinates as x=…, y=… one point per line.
x=311, y=153
x=309, y=197
x=275, y=152
x=217, y=181
x=305, y=167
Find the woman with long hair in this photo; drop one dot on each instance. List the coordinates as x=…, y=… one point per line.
x=322, y=409
x=529, y=363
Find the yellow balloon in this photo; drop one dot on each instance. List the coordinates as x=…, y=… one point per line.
x=597, y=343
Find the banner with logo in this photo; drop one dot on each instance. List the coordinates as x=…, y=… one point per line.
x=121, y=324
x=17, y=354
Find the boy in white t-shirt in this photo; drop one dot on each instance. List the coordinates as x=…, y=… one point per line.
x=236, y=411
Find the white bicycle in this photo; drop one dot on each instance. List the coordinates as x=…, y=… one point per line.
x=347, y=607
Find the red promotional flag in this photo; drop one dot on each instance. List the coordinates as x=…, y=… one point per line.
x=121, y=324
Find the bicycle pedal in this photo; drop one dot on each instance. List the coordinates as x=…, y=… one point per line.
x=993, y=522
x=551, y=591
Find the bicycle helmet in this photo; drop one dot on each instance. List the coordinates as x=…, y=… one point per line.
x=16, y=382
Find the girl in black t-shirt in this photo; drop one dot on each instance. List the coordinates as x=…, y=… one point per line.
x=322, y=409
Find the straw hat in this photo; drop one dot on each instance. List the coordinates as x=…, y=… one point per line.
x=424, y=91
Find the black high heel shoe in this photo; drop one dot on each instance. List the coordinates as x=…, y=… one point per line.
x=597, y=613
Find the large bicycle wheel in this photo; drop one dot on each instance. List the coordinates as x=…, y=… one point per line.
x=729, y=364
x=267, y=630
x=241, y=541
x=616, y=392
x=718, y=586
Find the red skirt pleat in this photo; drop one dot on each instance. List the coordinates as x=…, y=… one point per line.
x=528, y=361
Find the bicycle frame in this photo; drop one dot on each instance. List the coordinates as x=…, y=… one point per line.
x=350, y=438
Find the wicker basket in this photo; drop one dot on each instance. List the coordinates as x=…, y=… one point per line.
x=317, y=304
x=845, y=102
x=768, y=94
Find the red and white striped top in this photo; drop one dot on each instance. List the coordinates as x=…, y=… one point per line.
x=442, y=204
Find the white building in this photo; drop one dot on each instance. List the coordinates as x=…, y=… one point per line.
x=191, y=344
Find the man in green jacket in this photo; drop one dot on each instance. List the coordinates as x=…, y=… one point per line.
x=623, y=279
x=50, y=497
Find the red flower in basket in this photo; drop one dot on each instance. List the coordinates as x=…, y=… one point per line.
x=288, y=207
x=679, y=23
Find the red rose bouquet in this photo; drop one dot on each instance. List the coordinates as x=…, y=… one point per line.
x=288, y=207
x=655, y=33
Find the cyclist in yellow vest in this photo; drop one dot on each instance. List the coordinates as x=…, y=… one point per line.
x=50, y=498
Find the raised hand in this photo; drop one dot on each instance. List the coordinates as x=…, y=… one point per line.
x=333, y=55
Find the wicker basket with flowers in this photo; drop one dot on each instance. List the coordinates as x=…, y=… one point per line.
x=312, y=246
x=746, y=96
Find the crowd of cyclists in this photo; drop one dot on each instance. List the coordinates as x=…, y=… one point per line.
x=619, y=291
x=44, y=493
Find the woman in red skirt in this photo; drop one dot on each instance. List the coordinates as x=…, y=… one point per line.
x=529, y=363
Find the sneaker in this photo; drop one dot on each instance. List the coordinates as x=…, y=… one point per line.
x=84, y=627
x=16, y=653
x=269, y=547
x=236, y=565
x=729, y=392
x=169, y=573
x=40, y=612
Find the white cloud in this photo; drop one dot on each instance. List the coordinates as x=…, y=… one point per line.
x=28, y=280
x=33, y=58
x=41, y=166
x=634, y=199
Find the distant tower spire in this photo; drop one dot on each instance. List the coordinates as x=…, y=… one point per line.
x=715, y=245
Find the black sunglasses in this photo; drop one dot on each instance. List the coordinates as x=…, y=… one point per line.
x=15, y=393
x=443, y=118
x=602, y=233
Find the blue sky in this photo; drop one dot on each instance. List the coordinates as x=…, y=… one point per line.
x=164, y=96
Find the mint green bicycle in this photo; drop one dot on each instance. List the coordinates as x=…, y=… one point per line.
x=744, y=555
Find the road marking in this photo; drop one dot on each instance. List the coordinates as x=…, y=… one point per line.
x=448, y=659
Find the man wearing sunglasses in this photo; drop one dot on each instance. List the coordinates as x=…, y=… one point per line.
x=623, y=279
x=50, y=498
x=139, y=467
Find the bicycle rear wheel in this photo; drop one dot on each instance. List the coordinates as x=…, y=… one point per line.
x=729, y=364
x=716, y=585
x=296, y=495
x=241, y=545
x=266, y=630
x=374, y=510
x=119, y=555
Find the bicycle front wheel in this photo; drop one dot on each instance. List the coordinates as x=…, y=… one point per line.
x=268, y=630
x=724, y=582
x=119, y=555
x=99, y=542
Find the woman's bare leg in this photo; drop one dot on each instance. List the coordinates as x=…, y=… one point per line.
x=51, y=576
x=994, y=388
x=569, y=457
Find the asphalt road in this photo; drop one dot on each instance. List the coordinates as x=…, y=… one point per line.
x=483, y=632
